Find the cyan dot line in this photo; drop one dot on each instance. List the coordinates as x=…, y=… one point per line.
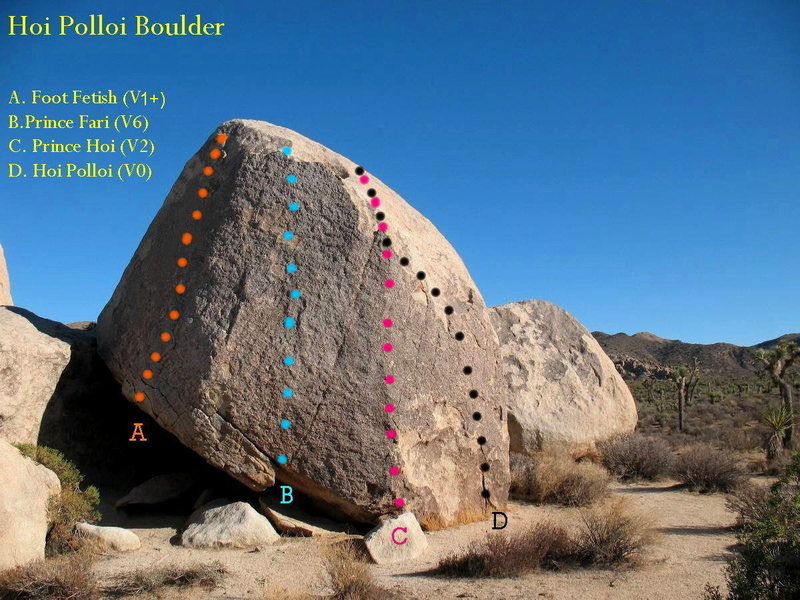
x=286, y=424
x=287, y=151
x=289, y=322
x=293, y=206
x=291, y=178
x=288, y=393
x=288, y=360
x=291, y=268
x=282, y=460
x=288, y=235
x=295, y=294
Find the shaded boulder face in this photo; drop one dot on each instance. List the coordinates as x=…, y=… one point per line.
x=281, y=327
x=562, y=388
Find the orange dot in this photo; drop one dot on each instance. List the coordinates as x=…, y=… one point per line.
x=215, y=153
x=174, y=315
x=165, y=337
x=202, y=192
x=222, y=138
x=155, y=357
x=147, y=374
x=180, y=288
x=208, y=170
x=182, y=262
x=139, y=397
x=186, y=238
x=197, y=215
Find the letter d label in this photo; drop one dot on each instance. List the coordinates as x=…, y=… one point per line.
x=495, y=524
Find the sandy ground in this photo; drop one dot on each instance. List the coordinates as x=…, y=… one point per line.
x=695, y=537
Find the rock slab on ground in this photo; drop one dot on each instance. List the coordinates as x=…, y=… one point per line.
x=210, y=289
x=227, y=525
x=25, y=489
x=292, y=521
x=396, y=540
x=117, y=539
x=562, y=388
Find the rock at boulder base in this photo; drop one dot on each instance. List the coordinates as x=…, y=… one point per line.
x=263, y=285
x=291, y=521
x=117, y=539
x=5, y=283
x=25, y=489
x=222, y=525
x=562, y=388
x=396, y=540
x=158, y=490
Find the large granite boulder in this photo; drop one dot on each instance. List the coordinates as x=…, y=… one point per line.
x=5, y=283
x=289, y=316
x=25, y=489
x=562, y=388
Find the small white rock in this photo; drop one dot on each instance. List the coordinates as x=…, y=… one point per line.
x=110, y=538
x=396, y=540
x=223, y=525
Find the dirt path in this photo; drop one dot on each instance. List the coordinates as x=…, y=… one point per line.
x=690, y=552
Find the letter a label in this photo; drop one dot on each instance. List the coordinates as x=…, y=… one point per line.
x=138, y=434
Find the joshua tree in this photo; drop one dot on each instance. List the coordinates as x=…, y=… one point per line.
x=686, y=379
x=778, y=420
x=776, y=362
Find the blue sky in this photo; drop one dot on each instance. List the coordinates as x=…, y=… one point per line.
x=634, y=162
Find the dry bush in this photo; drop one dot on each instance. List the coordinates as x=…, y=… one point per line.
x=632, y=457
x=278, y=593
x=750, y=502
x=613, y=534
x=705, y=469
x=554, y=478
x=510, y=555
x=146, y=582
x=348, y=575
x=67, y=578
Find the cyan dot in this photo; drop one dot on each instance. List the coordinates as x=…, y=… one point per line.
x=291, y=178
x=285, y=424
x=288, y=235
x=288, y=322
x=291, y=268
x=295, y=294
x=288, y=393
x=294, y=206
x=282, y=460
x=286, y=151
x=288, y=360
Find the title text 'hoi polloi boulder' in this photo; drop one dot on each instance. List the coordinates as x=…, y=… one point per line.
x=222, y=385
x=562, y=388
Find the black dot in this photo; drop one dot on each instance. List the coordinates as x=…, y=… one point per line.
x=380, y=216
x=473, y=394
x=371, y=193
x=467, y=370
x=481, y=440
x=435, y=292
x=359, y=170
x=421, y=275
x=486, y=493
x=477, y=416
x=448, y=310
x=485, y=467
x=387, y=242
x=404, y=261
x=459, y=335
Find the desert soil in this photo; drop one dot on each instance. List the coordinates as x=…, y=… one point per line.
x=695, y=536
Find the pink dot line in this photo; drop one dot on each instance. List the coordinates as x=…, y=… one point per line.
x=389, y=408
x=389, y=283
x=376, y=202
x=389, y=379
x=388, y=347
x=388, y=322
x=391, y=434
x=383, y=226
x=394, y=471
x=400, y=502
x=364, y=179
x=386, y=254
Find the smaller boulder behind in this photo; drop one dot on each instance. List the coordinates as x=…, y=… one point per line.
x=227, y=525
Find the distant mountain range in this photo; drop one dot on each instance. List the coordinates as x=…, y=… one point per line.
x=644, y=354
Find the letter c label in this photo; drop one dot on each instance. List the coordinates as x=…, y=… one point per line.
x=394, y=539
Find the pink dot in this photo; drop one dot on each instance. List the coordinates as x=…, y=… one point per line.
x=376, y=202
x=389, y=379
x=387, y=323
x=389, y=408
x=383, y=226
x=400, y=502
x=389, y=283
x=394, y=470
x=388, y=348
x=386, y=254
x=364, y=179
x=391, y=434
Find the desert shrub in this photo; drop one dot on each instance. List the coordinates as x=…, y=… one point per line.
x=705, y=469
x=71, y=506
x=767, y=566
x=348, y=575
x=279, y=593
x=633, y=457
x=147, y=582
x=750, y=502
x=510, y=555
x=64, y=578
x=613, y=534
x=557, y=479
